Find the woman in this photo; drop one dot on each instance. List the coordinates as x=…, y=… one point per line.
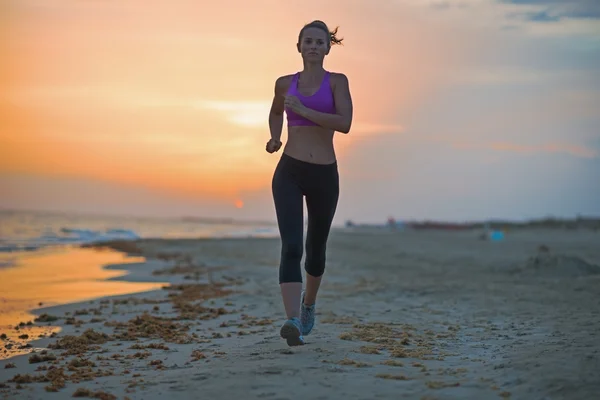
x=317, y=103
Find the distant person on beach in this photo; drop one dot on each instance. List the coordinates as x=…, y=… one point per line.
x=317, y=103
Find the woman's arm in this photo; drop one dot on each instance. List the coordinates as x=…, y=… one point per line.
x=277, y=107
x=341, y=121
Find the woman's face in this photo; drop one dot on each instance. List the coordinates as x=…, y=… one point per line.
x=314, y=44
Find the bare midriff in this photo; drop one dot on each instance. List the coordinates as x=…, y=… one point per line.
x=311, y=144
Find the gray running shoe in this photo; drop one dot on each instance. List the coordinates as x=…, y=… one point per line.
x=307, y=317
x=292, y=332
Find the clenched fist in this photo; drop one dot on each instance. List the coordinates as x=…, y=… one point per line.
x=273, y=145
x=294, y=104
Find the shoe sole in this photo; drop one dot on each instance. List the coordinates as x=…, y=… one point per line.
x=292, y=335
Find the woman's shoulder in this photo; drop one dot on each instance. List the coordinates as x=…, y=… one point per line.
x=283, y=83
x=285, y=79
x=338, y=77
x=338, y=80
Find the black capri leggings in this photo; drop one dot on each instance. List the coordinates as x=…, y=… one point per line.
x=294, y=179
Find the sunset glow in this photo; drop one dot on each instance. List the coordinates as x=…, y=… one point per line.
x=171, y=99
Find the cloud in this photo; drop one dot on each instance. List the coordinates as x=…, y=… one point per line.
x=244, y=113
x=554, y=10
x=24, y=191
x=429, y=179
x=535, y=10
x=550, y=148
x=538, y=18
x=154, y=97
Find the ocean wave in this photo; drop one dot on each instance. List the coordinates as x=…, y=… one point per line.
x=88, y=235
x=66, y=236
x=9, y=248
x=30, y=231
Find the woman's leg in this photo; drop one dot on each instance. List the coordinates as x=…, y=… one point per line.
x=288, y=199
x=321, y=204
x=321, y=209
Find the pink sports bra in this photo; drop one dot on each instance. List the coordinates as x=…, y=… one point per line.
x=321, y=101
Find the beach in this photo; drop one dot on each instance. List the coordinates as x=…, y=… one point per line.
x=407, y=314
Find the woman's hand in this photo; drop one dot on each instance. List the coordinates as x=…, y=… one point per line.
x=294, y=104
x=273, y=146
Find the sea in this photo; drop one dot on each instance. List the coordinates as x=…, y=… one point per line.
x=29, y=231
x=42, y=264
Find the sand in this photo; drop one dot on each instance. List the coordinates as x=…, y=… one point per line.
x=415, y=315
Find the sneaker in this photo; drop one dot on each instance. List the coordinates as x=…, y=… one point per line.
x=292, y=332
x=307, y=317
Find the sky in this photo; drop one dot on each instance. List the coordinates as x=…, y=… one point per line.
x=463, y=109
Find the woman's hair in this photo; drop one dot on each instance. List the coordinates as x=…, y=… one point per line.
x=333, y=39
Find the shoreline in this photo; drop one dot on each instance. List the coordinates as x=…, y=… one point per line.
x=415, y=315
x=38, y=290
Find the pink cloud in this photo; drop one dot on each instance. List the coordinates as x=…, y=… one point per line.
x=572, y=149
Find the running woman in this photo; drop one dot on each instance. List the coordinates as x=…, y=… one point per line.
x=318, y=104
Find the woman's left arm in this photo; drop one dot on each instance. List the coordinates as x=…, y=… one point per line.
x=341, y=121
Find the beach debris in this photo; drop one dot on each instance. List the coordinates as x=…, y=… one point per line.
x=369, y=350
x=441, y=385
x=134, y=301
x=183, y=297
x=80, y=362
x=190, y=271
x=392, y=376
x=393, y=363
x=46, y=318
x=190, y=302
x=81, y=392
x=180, y=257
x=153, y=346
x=342, y=320
x=197, y=355
x=399, y=343
x=375, y=333
x=452, y=371
x=156, y=363
x=73, y=321
x=139, y=355
x=354, y=363
x=43, y=356
x=74, y=345
x=150, y=326
x=55, y=376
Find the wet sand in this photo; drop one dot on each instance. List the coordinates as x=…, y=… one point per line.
x=56, y=276
x=416, y=315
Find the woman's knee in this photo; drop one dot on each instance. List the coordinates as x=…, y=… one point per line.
x=291, y=252
x=289, y=267
x=315, y=264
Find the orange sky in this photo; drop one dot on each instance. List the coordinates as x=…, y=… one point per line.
x=176, y=96
x=173, y=97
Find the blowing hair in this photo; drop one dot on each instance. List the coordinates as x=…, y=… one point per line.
x=333, y=39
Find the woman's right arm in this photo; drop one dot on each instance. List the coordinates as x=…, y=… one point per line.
x=277, y=108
